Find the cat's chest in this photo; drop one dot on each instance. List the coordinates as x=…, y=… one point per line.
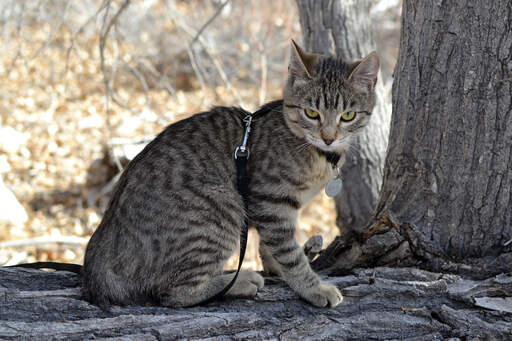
x=315, y=181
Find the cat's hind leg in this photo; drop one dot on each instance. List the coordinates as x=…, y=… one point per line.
x=191, y=293
x=246, y=285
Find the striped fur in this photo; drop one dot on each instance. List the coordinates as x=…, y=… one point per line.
x=175, y=216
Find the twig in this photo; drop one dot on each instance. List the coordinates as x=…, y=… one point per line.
x=137, y=74
x=7, y=13
x=193, y=62
x=208, y=22
x=80, y=30
x=20, y=45
x=114, y=69
x=44, y=240
x=161, y=76
x=211, y=53
x=191, y=55
x=103, y=37
x=54, y=31
x=122, y=141
x=109, y=187
x=218, y=65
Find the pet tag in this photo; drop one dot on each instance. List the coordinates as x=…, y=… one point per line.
x=333, y=187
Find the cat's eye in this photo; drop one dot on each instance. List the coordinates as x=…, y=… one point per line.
x=315, y=115
x=348, y=116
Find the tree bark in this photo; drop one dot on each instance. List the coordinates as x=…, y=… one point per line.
x=448, y=173
x=380, y=303
x=446, y=199
x=343, y=27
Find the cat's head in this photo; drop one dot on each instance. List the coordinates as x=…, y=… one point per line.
x=328, y=101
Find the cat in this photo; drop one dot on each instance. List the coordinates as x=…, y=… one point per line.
x=176, y=214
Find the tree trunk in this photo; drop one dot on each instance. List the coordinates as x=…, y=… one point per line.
x=380, y=303
x=344, y=27
x=446, y=199
x=448, y=173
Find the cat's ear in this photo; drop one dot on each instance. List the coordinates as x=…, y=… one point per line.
x=301, y=63
x=365, y=72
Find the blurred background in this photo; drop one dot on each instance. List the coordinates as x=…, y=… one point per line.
x=86, y=83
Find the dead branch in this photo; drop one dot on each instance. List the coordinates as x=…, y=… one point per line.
x=20, y=44
x=208, y=22
x=107, y=25
x=80, y=30
x=210, y=51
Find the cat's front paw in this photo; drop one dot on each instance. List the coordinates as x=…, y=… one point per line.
x=324, y=295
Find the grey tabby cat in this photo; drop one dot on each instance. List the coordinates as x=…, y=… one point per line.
x=176, y=214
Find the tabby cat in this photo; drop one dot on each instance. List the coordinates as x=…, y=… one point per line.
x=176, y=214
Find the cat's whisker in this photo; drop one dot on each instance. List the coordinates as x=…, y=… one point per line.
x=302, y=147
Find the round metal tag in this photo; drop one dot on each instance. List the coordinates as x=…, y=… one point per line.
x=333, y=187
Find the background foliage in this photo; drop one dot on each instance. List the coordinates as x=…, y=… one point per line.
x=85, y=81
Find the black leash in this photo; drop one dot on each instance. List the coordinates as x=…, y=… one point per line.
x=242, y=182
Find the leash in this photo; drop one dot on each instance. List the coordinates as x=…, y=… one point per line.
x=241, y=157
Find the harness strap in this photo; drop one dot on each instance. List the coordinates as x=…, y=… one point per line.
x=242, y=183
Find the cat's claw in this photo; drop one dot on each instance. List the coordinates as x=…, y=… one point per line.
x=324, y=295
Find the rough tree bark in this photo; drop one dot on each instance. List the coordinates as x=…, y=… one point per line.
x=446, y=199
x=379, y=304
x=343, y=27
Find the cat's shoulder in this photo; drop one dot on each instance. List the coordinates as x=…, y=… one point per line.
x=216, y=112
x=233, y=111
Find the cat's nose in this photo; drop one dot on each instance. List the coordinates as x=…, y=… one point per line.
x=328, y=140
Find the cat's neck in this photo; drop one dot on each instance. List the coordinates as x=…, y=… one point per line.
x=332, y=157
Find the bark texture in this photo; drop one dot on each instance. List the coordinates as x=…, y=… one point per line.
x=381, y=303
x=448, y=173
x=446, y=200
x=343, y=27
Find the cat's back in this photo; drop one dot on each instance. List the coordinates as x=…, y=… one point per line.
x=217, y=130
x=189, y=156
x=164, y=200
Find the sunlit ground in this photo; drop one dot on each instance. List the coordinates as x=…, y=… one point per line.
x=55, y=136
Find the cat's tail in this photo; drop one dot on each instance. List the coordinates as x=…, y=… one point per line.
x=75, y=268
